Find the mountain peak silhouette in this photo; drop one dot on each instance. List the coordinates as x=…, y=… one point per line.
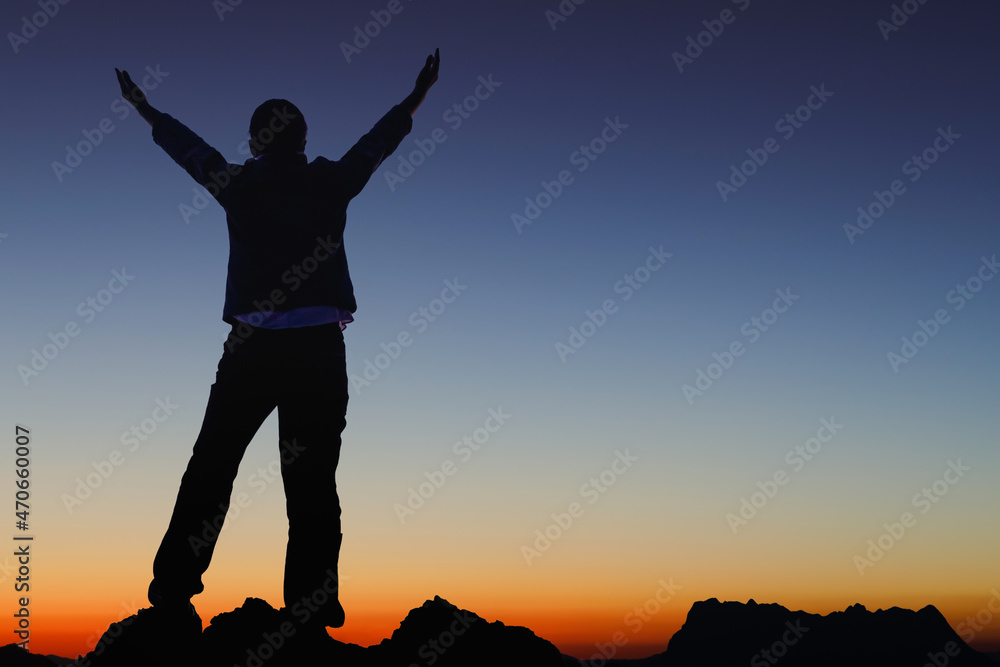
x=732, y=633
x=438, y=633
x=441, y=634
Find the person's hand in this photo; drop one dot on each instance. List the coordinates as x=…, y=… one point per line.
x=130, y=91
x=136, y=97
x=429, y=74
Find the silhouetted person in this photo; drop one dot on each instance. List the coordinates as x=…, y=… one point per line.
x=288, y=299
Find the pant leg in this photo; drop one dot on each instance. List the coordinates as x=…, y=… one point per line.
x=311, y=417
x=240, y=400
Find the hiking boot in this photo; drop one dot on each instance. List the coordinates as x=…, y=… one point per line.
x=177, y=611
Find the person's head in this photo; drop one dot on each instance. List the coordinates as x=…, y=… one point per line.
x=277, y=127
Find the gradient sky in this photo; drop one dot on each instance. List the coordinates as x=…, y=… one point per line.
x=668, y=518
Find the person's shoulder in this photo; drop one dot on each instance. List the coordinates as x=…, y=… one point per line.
x=323, y=166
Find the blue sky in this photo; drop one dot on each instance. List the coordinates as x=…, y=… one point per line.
x=553, y=91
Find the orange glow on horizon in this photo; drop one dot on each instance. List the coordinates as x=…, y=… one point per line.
x=580, y=633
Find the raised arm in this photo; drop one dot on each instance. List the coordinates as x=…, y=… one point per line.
x=202, y=162
x=361, y=161
x=136, y=97
x=425, y=79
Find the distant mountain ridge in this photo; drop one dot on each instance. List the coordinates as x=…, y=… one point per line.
x=439, y=634
x=759, y=635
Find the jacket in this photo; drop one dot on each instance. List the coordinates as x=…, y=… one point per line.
x=285, y=215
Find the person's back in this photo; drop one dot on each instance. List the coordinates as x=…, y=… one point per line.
x=286, y=222
x=288, y=298
x=286, y=215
